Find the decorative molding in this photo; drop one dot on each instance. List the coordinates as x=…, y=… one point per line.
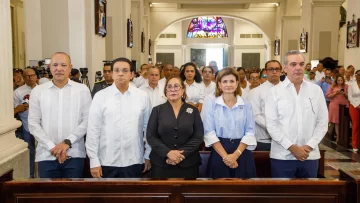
x=169, y=47
x=327, y=3
x=18, y=3
x=291, y=17
x=9, y=125
x=249, y=46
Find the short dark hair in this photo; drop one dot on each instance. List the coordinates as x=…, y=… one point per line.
x=209, y=67
x=273, y=61
x=197, y=77
x=74, y=71
x=122, y=59
x=141, y=67
x=240, y=68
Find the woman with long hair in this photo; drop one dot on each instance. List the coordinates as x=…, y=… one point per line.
x=337, y=93
x=229, y=127
x=195, y=90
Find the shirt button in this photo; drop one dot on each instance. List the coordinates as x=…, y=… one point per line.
x=176, y=129
x=176, y=137
x=175, y=146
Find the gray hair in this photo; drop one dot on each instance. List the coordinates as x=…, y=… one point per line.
x=292, y=52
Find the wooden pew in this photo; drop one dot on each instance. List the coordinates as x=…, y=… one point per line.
x=344, y=127
x=8, y=176
x=177, y=191
x=262, y=164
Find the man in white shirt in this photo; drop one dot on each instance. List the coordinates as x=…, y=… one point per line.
x=143, y=78
x=168, y=72
x=210, y=86
x=152, y=89
x=58, y=117
x=117, y=121
x=21, y=104
x=320, y=74
x=258, y=100
x=254, y=80
x=297, y=120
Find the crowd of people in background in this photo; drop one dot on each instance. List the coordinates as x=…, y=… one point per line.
x=157, y=118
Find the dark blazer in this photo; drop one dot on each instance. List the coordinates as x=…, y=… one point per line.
x=165, y=133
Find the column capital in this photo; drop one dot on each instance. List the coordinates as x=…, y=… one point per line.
x=327, y=3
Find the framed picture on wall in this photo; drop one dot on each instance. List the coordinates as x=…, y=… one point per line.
x=150, y=47
x=277, y=47
x=303, y=42
x=352, y=33
x=142, y=42
x=130, y=41
x=100, y=17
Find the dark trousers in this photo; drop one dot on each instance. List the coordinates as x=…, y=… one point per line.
x=294, y=168
x=71, y=168
x=217, y=168
x=174, y=172
x=262, y=146
x=133, y=171
x=30, y=140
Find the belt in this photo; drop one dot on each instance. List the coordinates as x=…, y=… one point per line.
x=229, y=140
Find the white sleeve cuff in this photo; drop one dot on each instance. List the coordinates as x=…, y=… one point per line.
x=50, y=145
x=72, y=138
x=210, y=138
x=94, y=163
x=286, y=143
x=147, y=154
x=250, y=140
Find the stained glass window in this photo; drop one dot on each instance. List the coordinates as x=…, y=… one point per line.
x=207, y=27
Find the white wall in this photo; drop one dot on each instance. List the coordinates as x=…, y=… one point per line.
x=175, y=28
x=242, y=27
x=352, y=55
x=33, y=33
x=238, y=56
x=54, y=27
x=237, y=45
x=76, y=15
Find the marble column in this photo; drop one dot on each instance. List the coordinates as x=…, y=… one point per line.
x=14, y=154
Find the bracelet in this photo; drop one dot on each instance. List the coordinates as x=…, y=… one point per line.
x=239, y=152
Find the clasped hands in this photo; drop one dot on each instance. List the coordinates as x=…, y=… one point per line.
x=175, y=157
x=301, y=153
x=231, y=160
x=60, y=152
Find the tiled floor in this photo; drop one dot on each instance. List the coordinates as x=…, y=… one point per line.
x=338, y=157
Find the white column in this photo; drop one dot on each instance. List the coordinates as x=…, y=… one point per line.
x=13, y=152
x=119, y=11
x=325, y=28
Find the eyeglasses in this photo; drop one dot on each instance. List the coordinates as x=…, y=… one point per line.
x=312, y=73
x=254, y=78
x=357, y=74
x=30, y=76
x=175, y=87
x=273, y=69
x=121, y=70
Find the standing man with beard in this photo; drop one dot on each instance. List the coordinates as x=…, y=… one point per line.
x=117, y=121
x=108, y=80
x=21, y=104
x=58, y=117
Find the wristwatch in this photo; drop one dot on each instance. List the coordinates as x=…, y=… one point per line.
x=68, y=142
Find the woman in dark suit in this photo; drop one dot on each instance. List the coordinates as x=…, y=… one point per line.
x=175, y=132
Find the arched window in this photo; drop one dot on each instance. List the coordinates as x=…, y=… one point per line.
x=207, y=27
